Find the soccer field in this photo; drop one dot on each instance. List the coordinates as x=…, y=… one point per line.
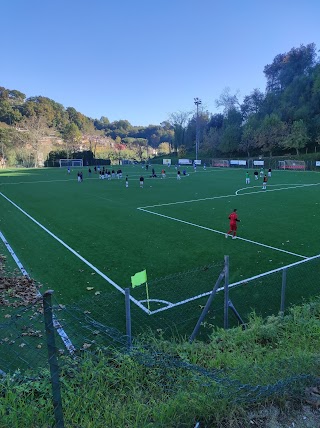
x=80, y=239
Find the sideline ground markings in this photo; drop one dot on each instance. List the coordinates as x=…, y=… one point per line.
x=232, y=195
x=139, y=303
x=75, y=253
x=222, y=233
x=294, y=186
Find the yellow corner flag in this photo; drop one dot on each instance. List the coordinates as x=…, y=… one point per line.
x=139, y=278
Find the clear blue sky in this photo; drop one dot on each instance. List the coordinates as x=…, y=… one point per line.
x=141, y=60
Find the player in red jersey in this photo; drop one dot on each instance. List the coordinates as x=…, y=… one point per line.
x=233, y=217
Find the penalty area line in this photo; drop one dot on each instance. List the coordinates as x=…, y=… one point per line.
x=294, y=186
x=221, y=233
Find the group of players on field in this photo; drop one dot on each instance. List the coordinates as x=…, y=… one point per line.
x=233, y=217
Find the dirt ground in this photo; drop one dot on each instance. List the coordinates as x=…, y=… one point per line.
x=306, y=417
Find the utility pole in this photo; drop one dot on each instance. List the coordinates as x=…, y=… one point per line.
x=197, y=102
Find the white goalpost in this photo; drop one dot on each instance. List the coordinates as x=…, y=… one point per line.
x=220, y=163
x=292, y=164
x=64, y=163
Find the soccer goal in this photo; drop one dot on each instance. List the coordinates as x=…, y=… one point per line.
x=292, y=164
x=71, y=162
x=224, y=163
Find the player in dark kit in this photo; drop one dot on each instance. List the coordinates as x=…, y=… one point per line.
x=233, y=217
x=264, y=184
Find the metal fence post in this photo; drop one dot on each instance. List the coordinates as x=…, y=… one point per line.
x=128, y=317
x=226, y=292
x=207, y=307
x=283, y=291
x=52, y=359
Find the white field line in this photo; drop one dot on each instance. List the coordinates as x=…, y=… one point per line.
x=36, y=182
x=293, y=186
x=170, y=175
x=233, y=195
x=77, y=254
x=73, y=180
x=161, y=215
x=221, y=233
x=171, y=305
x=56, y=323
x=234, y=284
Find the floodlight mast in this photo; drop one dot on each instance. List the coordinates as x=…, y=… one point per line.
x=197, y=102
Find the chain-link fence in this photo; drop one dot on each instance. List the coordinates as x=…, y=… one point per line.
x=267, y=162
x=40, y=338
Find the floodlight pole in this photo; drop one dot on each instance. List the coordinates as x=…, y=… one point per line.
x=197, y=102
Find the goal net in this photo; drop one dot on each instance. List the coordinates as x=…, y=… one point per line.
x=70, y=162
x=224, y=163
x=292, y=164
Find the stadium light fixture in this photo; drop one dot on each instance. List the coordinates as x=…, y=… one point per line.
x=197, y=102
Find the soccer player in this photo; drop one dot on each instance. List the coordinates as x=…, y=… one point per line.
x=233, y=217
x=68, y=170
x=261, y=172
x=264, y=184
x=178, y=175
x=127, y=181
x=256, y=175
x=269, y=172
x=247, y=178
x=141, y=182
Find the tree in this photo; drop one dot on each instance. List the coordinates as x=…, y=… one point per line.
x=285, y=67
x=212, y=140
x=138, y=146
x=216, y=121
x=191, y=129
x=32, y=133
x=72, y=137
x=298, y=137
x=7, y=146
x=248, y=139
x=164, y=148
x=178, y=121
x=9, y=114
x=271, y=133
x=182, y=151
x=228, y=101
x=231, y=131
x=252, y=103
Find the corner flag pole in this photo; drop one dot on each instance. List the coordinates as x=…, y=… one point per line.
x=141, y=278
x=147, y=291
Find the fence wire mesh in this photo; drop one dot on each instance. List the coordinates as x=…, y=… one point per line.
x=95, y=327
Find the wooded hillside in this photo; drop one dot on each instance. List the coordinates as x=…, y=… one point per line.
x=284, y=119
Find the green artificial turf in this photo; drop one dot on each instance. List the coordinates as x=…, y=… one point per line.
x=175, y=231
